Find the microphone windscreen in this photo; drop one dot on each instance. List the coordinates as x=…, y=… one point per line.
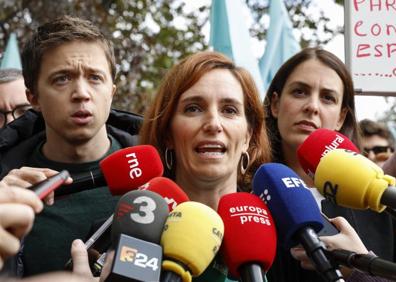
x=130, y=168
x=140, y=214
x=167, y=189
x=192, y=235
x=249, y=232
x=291, y=204
x=351, y=180
x=318, y=144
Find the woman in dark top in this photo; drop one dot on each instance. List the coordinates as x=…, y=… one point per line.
x=313, y=89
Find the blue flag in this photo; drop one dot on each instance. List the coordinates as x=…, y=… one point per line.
x=11, y=58
x=281, y=43
x=230, y=36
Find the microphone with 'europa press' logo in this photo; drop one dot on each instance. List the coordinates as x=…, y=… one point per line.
x=249, y=243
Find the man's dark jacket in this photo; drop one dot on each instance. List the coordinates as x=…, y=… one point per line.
x=21, y=137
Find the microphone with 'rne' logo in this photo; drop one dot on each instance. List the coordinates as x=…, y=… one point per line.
x=122, y=171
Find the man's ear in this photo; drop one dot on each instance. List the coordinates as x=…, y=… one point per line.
x=33, y=100
x=275, y=104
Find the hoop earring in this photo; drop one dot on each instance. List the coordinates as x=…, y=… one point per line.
x=245, y=160
x=168, y=158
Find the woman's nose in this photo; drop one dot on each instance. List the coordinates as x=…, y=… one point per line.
x=213, y=123
x=312, y=105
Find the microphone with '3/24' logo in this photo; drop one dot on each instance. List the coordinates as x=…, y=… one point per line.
x=137, y=226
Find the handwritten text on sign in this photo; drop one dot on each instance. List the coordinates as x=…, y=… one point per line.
x=374, y=38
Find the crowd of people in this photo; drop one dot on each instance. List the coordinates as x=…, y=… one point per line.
x=207, y=123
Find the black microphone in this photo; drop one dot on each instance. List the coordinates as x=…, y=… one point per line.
x=136, y=231
x=84, y=181
x=368, y=263
x=121, y=171
x=100, y=240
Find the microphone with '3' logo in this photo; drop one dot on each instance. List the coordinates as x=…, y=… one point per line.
x=137, y=226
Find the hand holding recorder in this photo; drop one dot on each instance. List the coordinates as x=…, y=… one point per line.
x=42, y=181
x=18, y=205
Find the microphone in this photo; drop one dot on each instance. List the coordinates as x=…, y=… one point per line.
x=296, y=213
x=368, y=263
x=191, y=238
x=138, y=221
x=123, y=169
x=167, y=189
x=318, y=144
x=363, y=186
x=249, y=244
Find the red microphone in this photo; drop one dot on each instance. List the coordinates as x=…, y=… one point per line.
x=168, y=189
x=318, y=144
x=131, y=167
x=249, y=243
x=122, y=171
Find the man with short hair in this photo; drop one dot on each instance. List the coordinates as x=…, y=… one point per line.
x=13, y=101
x=69, y=71
x=377, y=141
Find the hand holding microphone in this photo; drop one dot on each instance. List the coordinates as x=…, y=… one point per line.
x=348, y=250
x=81, y=271
x=17, y=209
x=297, y=216
x=347, y=239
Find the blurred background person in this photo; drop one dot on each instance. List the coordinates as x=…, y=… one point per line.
x=377, y=141
x=13, y=101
